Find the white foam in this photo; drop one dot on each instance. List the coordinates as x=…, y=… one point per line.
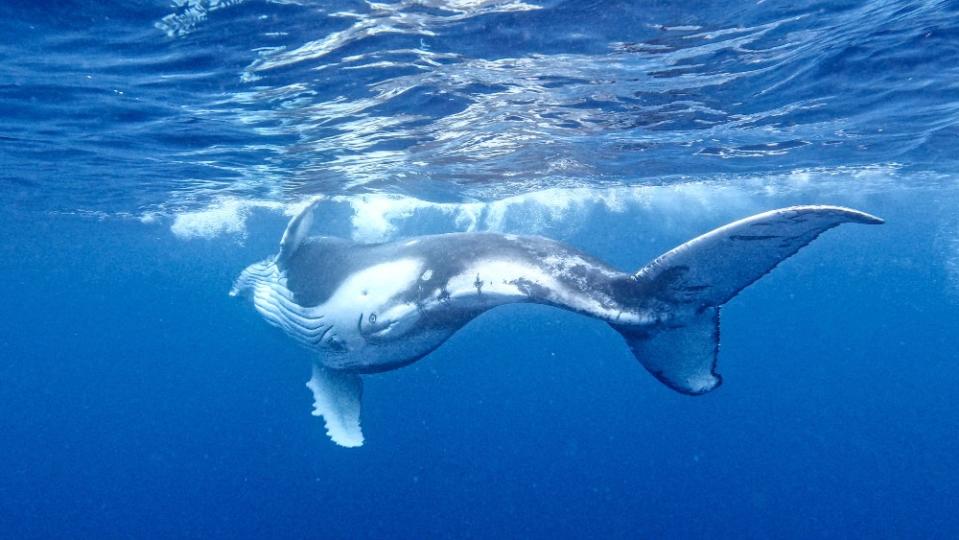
x=226, y=216
x=375, y=216
x=383, y=217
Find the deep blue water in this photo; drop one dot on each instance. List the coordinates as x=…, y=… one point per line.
x=149, y=151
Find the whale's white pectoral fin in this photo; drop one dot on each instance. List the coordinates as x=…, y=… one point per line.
x=682, y=356
x=336, y=397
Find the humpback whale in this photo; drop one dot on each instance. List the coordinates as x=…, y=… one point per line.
x=369, y=308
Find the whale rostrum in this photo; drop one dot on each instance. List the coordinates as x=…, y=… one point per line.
x=368, y=308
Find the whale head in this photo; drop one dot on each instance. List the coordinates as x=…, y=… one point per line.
x=373, y=303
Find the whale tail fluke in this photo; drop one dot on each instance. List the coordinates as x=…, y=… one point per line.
x=681, y=355
x=337, y=398
x=698, y=277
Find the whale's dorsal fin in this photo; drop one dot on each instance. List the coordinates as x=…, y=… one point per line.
x=337, y=398
x=296, y=232
x=694, y=279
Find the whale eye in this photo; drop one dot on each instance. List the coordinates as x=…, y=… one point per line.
x=372, y=318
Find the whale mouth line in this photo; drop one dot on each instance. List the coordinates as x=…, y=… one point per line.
x=370, y=333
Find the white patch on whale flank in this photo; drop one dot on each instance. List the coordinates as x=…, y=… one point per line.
x=367, y=292
x=497, y=277
x=503, y=280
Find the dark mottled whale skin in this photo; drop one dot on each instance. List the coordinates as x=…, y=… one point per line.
x=368, y=308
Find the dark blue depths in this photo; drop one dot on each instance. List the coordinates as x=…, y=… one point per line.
x=139, y=400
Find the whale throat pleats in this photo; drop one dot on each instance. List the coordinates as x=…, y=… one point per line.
x=694, y=279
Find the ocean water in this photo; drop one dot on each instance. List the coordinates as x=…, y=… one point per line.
x=150, y=150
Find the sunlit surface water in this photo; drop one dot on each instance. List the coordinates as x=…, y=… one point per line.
x=151, y=150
